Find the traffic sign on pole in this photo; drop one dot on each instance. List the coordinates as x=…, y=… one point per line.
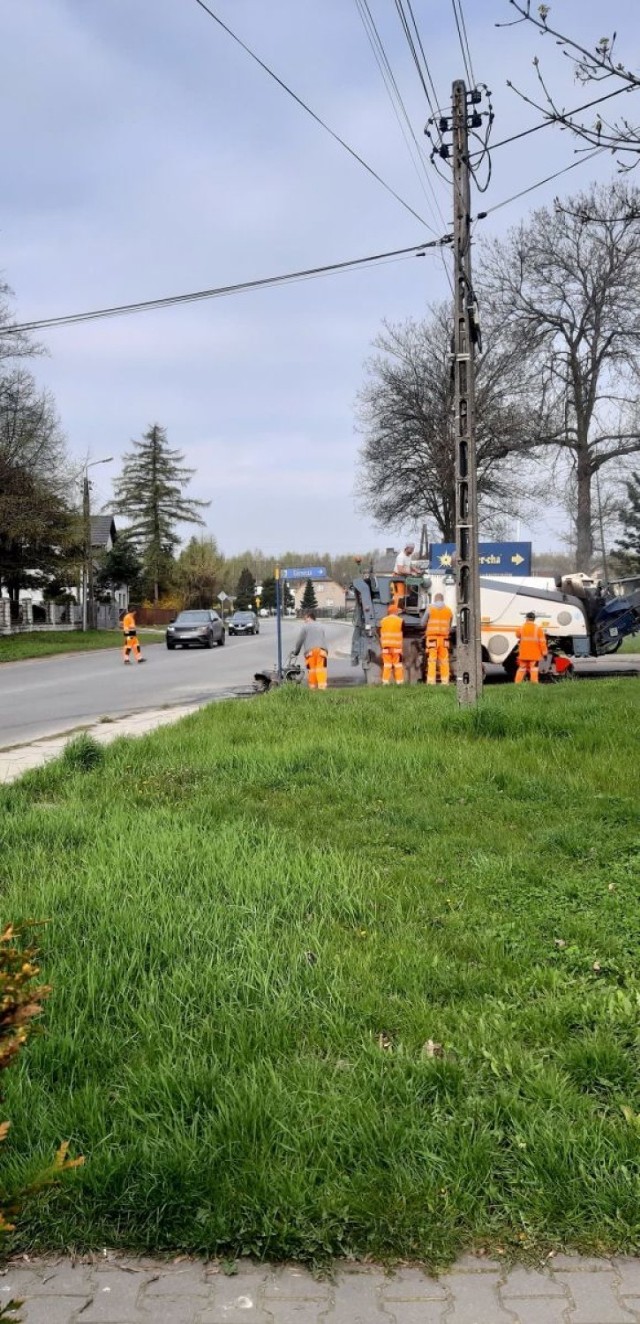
x=306, y=572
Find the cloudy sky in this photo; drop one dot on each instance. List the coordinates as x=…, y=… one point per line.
x=144, y=154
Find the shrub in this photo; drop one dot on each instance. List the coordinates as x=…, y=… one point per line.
x=20, y=1003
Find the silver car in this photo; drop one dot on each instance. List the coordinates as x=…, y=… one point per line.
x=200, y=629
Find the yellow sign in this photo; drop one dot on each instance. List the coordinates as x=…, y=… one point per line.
x=517, y=559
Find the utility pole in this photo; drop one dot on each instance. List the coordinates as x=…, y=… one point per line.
x=87, y=569
x=87, y=575
x=468, y=639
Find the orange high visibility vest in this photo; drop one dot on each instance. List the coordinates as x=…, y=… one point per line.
x=439, y=622
x=533, y=642
x=391, y=631
x=129, y=622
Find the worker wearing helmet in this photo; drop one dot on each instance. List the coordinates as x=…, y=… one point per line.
x=313, y=642
x=391, y=641
x=131, y=641
x=531, y=649
x=438, y=634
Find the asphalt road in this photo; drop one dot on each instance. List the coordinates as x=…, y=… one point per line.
x=46, y=696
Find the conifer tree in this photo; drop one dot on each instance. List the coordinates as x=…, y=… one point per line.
x=150, y=492
x=627, y=548
x=309, y=599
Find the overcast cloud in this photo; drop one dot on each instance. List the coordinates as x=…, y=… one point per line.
x=144, y=154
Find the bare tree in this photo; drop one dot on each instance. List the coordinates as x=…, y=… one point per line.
x=565, y=286
x=405, y=414
x=592, y=64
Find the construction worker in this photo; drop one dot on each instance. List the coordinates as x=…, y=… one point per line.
x=531, y=650
x=131, y=641
x=391, y=641
x=404, y=566
x=313, y=642
x=438, y=633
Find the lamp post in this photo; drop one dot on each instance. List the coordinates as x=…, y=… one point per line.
x=87, y=572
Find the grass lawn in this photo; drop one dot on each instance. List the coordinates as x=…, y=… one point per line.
x=630, y=645
x=259, y=919
x=45, y=643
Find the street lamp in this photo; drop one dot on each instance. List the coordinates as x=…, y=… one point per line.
x=87, y=573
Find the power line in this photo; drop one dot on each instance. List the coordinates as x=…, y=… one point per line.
x=587, y=157
x=397, y=102
x=285, y=87
x=423, y=52
x=466, y=61
x=400, y=110
x=223, y=291
x=412, y=47
x=554, y=119
x=466, y=39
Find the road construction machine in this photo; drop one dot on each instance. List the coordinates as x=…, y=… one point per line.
x=581, y=618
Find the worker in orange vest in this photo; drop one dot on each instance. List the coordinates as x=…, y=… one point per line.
x=531, y=650
x=438, y=633
x=313, y=642
x=391, y=641
x=131, y=641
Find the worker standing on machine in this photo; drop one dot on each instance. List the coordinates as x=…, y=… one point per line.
x=131, y=641
x=404, y=566
x=313, y=642
x=391, y=641
x=438, y=634
x=531, y=650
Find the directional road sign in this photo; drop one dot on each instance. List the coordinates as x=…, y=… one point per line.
x=306, y=572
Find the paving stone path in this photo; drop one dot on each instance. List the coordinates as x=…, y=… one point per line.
x=570, y=1290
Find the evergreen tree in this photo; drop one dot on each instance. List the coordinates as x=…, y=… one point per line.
x=288, y=599
x=245, y=594
x=269, y=593
x=627, y=548
x=150, y=492
x=309, y=600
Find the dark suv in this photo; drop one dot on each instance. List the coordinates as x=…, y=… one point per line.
x=201, y=628
x=243, y=622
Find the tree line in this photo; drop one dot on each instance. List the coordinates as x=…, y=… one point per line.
x=558, y=378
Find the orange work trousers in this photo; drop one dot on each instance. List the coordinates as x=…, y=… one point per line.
x=399, y=593
x=316, y=662
x=529, y=669
x=392, y=663
x=438, y=660
x=131, y=641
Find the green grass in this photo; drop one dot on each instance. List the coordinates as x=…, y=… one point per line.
x=46, y=643
x=631, y=644
x=258, y=920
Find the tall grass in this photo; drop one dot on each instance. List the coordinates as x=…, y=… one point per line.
x=262, y=916
x=47, y=643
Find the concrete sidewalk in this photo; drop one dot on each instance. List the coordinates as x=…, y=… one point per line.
x=111, y=1290
x=21, y=758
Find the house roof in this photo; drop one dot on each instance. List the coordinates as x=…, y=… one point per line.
x=103, y=527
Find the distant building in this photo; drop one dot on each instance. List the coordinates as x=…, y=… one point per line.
x=330, y=596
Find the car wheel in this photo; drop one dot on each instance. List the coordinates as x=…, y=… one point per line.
x=208, y=643
x=170, y=645
x=221, y=640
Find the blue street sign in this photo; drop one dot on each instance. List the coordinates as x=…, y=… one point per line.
x=307, y=572
x=496, y=558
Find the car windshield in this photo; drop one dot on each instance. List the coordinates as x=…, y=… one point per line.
x=193, y=618
x=243, y=616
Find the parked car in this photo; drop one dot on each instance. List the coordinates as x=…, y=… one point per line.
x=201, y=628
x=243, y=622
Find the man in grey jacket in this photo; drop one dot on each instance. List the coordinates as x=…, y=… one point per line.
x=312, y=640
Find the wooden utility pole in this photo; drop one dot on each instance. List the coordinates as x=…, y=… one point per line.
x=468, y=639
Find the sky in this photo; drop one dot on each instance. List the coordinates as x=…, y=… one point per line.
x=144, y=154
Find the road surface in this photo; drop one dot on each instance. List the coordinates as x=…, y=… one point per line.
x=46, y=696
